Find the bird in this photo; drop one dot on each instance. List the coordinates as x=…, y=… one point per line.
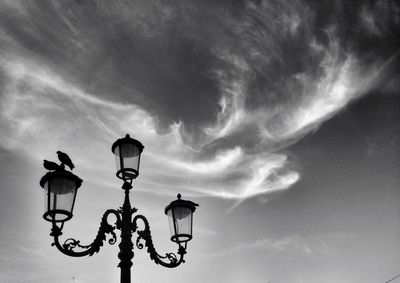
x=49, y=165
x=64, y=158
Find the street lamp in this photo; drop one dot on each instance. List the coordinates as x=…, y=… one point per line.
x=61, y=187
x=180, y=214
x=127, y=153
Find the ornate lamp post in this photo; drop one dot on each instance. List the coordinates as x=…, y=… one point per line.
x=61, y=186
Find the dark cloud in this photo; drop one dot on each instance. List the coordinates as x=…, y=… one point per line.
x=160, y=51
x=164, y=55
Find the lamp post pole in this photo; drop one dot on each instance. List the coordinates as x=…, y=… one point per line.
x=61, y=188
x=126, y=245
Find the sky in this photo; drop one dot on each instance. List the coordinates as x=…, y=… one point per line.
x=280, y=118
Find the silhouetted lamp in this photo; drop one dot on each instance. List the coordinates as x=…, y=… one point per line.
x=60, y=188
x=127, y=153
x=180, y=215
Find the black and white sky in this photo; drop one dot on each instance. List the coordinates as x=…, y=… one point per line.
x=281, y=118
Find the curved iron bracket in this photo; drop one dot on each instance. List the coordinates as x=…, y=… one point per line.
x=69, y=245
x=172, y=259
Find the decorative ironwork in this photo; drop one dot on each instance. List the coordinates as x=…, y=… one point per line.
x=145, y=235
x=74, y=248
x=69, y=245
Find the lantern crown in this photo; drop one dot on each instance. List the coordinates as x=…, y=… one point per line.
x=181, y=203
x=127, y=140
x=60, y=174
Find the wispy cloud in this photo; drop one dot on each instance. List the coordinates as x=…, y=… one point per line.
x=273, y=79
x=311, y=246
x=42, y=111
x=377, y=18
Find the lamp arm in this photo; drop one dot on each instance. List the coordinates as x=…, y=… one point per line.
x=70, y=244
x=145, y=234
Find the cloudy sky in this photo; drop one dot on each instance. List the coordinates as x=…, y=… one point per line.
x=281, y=118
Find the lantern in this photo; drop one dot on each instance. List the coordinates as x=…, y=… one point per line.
x=127, y=153
x=180, y=215
x=60, y=188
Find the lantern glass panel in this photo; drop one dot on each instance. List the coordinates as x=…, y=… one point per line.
x=59, y=199
x=180, y=220
x=127, y=160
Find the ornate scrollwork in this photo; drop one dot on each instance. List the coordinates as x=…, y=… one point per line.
x=145, y=235
x=124, y=224
x=69, y=246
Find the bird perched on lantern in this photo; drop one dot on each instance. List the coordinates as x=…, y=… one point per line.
x=51, y=166
x=65, y=160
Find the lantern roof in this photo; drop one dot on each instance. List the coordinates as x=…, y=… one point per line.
x=181, y=203
x=60, y=174
x=127, y=139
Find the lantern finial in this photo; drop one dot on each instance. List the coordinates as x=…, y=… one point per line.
x=179, y=196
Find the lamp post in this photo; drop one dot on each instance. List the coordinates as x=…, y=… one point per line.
x=61, y=187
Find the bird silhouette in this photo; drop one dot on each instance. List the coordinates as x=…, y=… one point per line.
x=49, y=165
x=64, y=158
